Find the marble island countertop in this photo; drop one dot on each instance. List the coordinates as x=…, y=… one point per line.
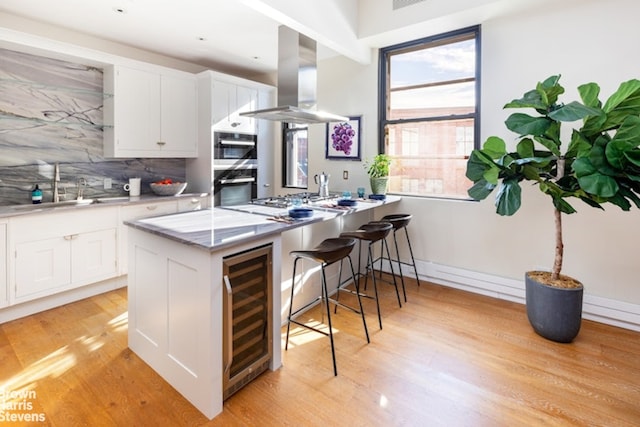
x=221, y=227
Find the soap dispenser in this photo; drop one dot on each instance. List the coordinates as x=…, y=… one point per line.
x=36, y=195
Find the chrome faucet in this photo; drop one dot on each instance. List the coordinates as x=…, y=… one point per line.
x=56, y=180
x=82, y=183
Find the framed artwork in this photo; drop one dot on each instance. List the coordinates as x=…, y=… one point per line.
x=343, y=139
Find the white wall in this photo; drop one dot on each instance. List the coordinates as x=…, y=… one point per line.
x=585, y=41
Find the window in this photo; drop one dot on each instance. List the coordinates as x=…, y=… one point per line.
x=295, y=155
x=429, y=112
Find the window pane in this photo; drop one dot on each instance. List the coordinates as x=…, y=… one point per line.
x=429, y=158
x=296, y=157
x=433, y=101
x=433, y=62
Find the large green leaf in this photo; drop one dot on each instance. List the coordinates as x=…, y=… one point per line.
x=563, y=206
x=626, y=139
x=550, y=89
x=620, y=201
x=630, y=195
x=599, y=161
x=599, y=184
x=589, y=93
x=574, y=111
x=524, y=124
x=626, y=91
x=549, y=145
x=633, y=156
x=508, y=199
x=480, y=190
x=477, y=165
x=530, y=99
x=525, y=148
x=494, y=147
x=579, y=145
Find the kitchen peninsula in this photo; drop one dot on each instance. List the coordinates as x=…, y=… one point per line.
x=180, y=269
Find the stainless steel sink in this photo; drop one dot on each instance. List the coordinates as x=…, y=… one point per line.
x=52, y=205
x=112, y=199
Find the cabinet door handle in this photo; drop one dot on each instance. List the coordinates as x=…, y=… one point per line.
x=152, y=208
x=161, y=143
x=70, y=236
x=228, y=332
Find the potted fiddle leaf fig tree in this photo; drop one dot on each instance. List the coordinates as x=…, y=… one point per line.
x=599, y=164
x=378, y=171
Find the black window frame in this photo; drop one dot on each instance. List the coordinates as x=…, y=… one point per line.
x=383, y=82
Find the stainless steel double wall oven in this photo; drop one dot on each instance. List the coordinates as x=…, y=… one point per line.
x=235, y=167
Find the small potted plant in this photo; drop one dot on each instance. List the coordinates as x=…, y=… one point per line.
x=378, y=171
x=599, y=165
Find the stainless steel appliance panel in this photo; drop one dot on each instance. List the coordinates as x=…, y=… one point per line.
x=234, y=146
x=234, y=186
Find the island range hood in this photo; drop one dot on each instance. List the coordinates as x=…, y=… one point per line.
x=297, y=83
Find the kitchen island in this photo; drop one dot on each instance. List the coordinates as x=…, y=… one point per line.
x=179, y=287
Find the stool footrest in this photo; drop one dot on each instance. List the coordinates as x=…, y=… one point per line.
x=326, y=334
x=304, y=307
x=348, y=307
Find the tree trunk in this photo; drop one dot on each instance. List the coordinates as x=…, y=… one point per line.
x=557, y=262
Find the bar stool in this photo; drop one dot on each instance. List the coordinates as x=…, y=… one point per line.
x=400, y=222
x=326, y=253
x=371, y=233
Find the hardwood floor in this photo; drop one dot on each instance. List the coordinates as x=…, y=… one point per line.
x=447, y=358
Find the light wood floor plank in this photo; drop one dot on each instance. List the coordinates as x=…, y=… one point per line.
x=446, y=358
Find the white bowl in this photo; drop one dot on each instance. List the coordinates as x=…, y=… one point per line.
x=168, y=189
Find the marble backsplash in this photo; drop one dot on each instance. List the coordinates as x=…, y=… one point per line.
x=51, y=112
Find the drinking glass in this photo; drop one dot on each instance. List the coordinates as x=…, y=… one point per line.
x=361, y=192
x=346, y=194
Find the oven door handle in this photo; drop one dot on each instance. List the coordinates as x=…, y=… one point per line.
x=238, y=143
x=236, y=180
x=228, y=356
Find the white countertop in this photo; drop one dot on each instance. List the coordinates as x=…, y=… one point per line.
x=217, y=228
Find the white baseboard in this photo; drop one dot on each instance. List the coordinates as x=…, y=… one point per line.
x=603, y=310
x=41, y=304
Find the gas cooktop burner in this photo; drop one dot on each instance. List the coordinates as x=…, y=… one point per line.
x=287, y=200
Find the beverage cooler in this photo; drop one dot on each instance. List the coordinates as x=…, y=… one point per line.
x=247, y=314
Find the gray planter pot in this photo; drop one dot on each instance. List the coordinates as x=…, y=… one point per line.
x=379, y=185
x=554, y=313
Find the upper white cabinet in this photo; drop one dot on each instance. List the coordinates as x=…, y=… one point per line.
x=229, y=100
x=151, y=113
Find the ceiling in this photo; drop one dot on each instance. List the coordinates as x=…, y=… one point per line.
x=241, y=36
x=220, y=34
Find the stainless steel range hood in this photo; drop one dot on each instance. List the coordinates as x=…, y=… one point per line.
x=297, y=83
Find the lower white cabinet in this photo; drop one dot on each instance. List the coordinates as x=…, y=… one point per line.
x=61, y=251
x=52, y=265
x=4, y=289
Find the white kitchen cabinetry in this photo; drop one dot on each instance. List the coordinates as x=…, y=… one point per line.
x=137, y=211
x=192, y=203
x=229, y=100
x=221, y=99
x=4, y=289
x=155, y=208
x=151, y=113
x=65, y=251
